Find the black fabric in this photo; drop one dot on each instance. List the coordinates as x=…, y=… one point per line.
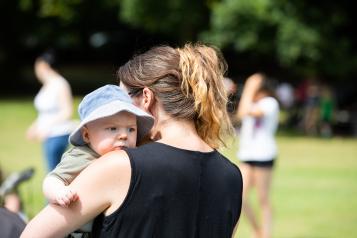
x=260, y=164
x=176, y=193
x=11, y=225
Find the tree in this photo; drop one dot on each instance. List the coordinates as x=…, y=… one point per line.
x=301, y=35
x=182, y=19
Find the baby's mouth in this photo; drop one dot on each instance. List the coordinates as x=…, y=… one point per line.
x=120, y=147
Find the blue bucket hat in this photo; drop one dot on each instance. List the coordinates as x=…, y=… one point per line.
x=104, y=102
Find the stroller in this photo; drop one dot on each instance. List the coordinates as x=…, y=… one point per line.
x=11, y=224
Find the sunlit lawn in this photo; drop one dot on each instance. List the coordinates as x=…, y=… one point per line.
x=314, y=188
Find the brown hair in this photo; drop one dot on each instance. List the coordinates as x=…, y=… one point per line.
x=267, y=86
x=188, y=81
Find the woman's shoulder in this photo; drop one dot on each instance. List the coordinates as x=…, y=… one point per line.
x=116, y=156
x=148, y=150
x=59, y=82
x=229, y=165
x=149, y=146
x=268, y=99
x=108, y=178
x=269, y=102
x=114, y=162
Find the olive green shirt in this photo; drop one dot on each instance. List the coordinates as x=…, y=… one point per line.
x=73, y=161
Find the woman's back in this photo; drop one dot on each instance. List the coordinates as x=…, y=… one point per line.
x=176, y=193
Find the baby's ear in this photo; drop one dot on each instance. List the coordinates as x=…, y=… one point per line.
x=85, y=134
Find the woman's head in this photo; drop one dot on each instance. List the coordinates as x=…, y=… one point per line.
x=43, y=64
x=49, y=57
x=266, y=88
x=188, y=83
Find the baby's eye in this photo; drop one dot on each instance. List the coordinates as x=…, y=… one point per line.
x=131, y=129
x=111, y=128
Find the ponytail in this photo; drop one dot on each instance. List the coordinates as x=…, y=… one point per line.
x=202, y=70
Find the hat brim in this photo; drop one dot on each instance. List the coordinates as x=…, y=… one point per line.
x=144, y=120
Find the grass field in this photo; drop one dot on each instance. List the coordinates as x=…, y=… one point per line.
x=314, y=187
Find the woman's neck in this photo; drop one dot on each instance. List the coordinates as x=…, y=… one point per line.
x=50, y=76
x=181, y=134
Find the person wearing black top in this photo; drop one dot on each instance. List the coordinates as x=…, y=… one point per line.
x=172, y=190
x=177, y=186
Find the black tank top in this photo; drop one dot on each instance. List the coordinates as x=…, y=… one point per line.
x=176, y=193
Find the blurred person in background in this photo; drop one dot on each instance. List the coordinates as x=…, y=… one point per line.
x=258, y=112
x=54, y=104
x=9, y=193
x=11, y=225
x=312, y=107
x=231, y=88
x=11, y=221
x=9, y=200
x=285, y=95
x=327, y=107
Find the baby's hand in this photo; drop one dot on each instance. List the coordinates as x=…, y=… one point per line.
x=66, y=196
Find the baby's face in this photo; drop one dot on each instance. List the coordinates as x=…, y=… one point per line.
x=111, y=133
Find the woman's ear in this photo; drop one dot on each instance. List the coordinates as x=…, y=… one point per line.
x=148, y=99
x=85, y=134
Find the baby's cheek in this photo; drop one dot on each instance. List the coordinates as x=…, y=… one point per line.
x=132, y=141
x=104, y=147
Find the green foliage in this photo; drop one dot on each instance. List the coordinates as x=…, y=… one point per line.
x=179, y=18
x=65, y=10
x=25, y=4
x=265, y=26
x=304, y=36
x=296, y=40
x=308, y=37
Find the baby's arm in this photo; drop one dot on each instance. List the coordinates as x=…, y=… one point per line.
x=57, y=192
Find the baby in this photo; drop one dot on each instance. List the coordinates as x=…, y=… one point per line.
x=109, y=121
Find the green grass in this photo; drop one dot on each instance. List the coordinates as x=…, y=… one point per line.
x=17, y=153
x=314, y=186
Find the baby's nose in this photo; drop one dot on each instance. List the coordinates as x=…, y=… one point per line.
x=122, y=136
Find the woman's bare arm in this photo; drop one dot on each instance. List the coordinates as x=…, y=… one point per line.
x=102, y=186
x=251, y=86
x=256, y=112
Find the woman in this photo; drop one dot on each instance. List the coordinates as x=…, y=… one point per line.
x=54, y=104
x=177, y=186
x=259, y=112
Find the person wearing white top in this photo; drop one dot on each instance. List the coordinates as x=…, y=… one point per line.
x=54, y=104
x=258, y=112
